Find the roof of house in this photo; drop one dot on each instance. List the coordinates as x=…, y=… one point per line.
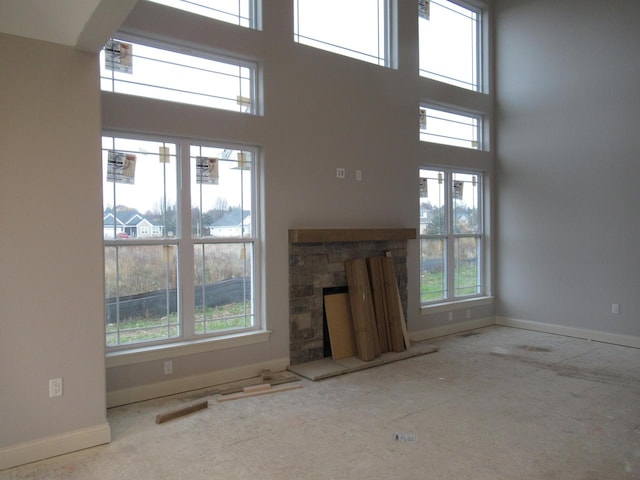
x=126, y=218
x=234, y=218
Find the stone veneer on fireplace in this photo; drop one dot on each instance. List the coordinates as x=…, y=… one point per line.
x=316, y=262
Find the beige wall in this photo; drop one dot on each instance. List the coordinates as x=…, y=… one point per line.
x=51, y=300
x=568, y=110
x=321, y=111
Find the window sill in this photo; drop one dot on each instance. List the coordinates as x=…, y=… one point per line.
x=456, y=305
x=179, y=349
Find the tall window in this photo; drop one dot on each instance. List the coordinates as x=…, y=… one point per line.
x=237, y=12
x=174, y=272
x=359, y=29
x=449, y=43
x=451, y=235
x=223, y=229
x=148, y=71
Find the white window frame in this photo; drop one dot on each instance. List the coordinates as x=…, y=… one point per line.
x=188, y=341
x=199, y=7
x=428, y=136
x=387, y=47
x=109, y=78
x=478, y=83
x=449, y=237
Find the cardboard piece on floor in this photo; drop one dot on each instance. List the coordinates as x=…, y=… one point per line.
x=340, y=325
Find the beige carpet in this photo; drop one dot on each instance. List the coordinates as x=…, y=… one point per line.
x=503, y=404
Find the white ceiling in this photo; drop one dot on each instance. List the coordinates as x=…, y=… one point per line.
x=82, y=24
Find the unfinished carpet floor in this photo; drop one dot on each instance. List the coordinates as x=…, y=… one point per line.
x=495, y=403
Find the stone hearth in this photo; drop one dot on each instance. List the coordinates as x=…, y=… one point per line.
x=316, y=262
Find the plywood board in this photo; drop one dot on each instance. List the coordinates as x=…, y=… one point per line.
x=376, y=278
x=340, y=325
x=362, y=309
x=394, y=308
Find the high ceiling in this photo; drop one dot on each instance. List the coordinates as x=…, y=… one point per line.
x=82, y=24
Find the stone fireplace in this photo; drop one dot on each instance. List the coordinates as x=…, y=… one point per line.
x=316, y=262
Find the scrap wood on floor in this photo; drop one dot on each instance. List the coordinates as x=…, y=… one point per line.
x=181, y=412
x=253, y=385
x=256, y=390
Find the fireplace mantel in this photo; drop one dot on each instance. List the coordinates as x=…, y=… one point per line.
x=323, y=235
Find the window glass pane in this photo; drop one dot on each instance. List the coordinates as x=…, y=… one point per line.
x=451, y=235
x=139, y=188
x=449, y=36
x=466, y=217
x=433, y=275
x=238, y=12
x=438, y=126
x=466, y=275
x=141, y=293
x=145, y=71
x=224, y=286
x=141, y=241
x=221, y=192
x=354, y=28
x=432, y=213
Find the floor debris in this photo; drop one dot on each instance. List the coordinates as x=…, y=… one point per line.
x=255, y=391
x=405, y=437
x=181, y=412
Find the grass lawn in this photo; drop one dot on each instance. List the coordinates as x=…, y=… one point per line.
x=212, y=319
x=433, y=285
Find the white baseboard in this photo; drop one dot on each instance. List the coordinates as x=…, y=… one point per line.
x=55, y=445
x=595, y=335
x=450, y=329
x=194, y=382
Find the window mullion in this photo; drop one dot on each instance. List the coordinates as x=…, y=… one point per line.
x=450, y=261
x=186, y=245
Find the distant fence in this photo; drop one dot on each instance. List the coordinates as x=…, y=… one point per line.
x=160, y=302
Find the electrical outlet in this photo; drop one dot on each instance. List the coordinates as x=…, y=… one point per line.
x=468, y=313
x=450, y=316
x=341, y=173
x=615, y=308
x=168, y=367
x=55, y=387
x=358, y=175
